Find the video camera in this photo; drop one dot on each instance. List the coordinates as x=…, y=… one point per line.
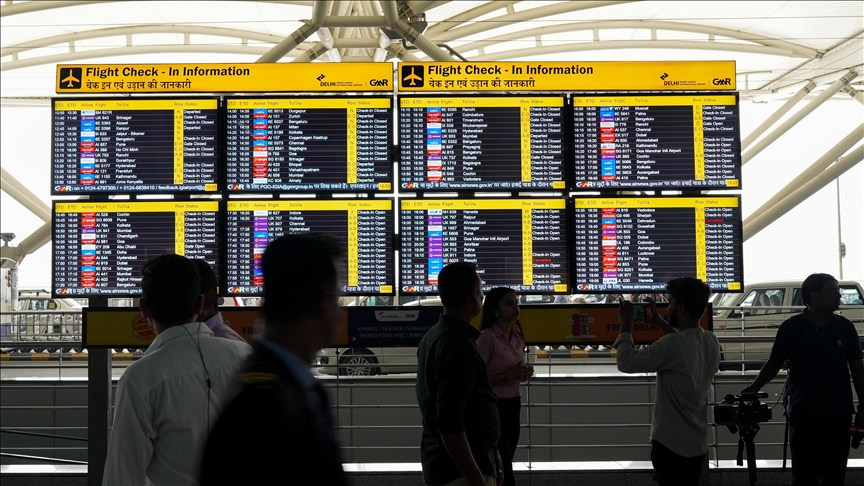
x=742, y=414
x=739, y=411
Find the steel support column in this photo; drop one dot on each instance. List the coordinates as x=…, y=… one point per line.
x=798, y=116
x=98, y=409
x=10, y=185
x=319, y=13
x=428, y=47
x=805, y=191
x=809, y=173
x=36, y=240
x=771, y=120
x=854, y=93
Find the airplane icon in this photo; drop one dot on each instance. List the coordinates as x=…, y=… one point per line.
x=71, y=80
x=412, y=79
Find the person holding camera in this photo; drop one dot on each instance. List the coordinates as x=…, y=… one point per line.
x=685, y=360
x=822, y=350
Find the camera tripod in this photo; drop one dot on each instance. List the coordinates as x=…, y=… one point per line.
x=747, y=432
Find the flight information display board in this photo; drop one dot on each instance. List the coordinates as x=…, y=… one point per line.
x=640, y=243
x=364, y=229
x=468, y=143
x=134, y=146
x=657, y=142
x=516, y=243
x=99, y=247
x=309, y=144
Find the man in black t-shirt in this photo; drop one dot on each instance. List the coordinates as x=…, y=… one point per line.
x=822, y=348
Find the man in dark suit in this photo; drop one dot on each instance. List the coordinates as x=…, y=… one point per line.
x=278, y=424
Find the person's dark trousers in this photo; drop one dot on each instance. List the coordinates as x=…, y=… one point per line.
x=509, y=417
x=671, y=469
x=820, y=449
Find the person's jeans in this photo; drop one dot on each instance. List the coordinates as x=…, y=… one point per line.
x=820, y=449
x=671, y=469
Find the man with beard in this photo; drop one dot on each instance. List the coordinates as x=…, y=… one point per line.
x=822, y=350
x=685, y=360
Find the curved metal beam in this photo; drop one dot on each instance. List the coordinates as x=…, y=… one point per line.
x=641, y=24
x=312, y=53
x=28, y=7
x=771, y=120
x=288, y=44
x=141, y=29
x=19, y=192
x=809, y=173
x=530, y=14
x=457, y=20
x=135, y=50
x=603, y=45
x=796, y=117
x=841, y=56
x=805, y=191
x=34, y=241
x=411, y=35
x=418, y=7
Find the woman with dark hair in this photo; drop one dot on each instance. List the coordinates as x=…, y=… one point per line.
x=502, y=346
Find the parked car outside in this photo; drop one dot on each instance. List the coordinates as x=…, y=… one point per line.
x=764, y=306
x=43, y=318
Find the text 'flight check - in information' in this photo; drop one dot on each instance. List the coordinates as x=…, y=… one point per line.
x=99, y=247
x=656, y=141
x=451, y=143
x=134, y=146
x=516, y=243
x=633, y=243
x=363, y=228
x=309, y=144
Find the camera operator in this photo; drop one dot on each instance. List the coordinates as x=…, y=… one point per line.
x=685, y=361
x=822, y=348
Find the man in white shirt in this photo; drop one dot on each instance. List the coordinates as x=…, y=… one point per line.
x=210, y=316
x=167, y=401
x=685, y=360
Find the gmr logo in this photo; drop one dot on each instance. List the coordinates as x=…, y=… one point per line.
x=722, y=82
x=379, y=82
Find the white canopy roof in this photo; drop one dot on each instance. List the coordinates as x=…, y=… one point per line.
x=805, y=51
x=778, y=46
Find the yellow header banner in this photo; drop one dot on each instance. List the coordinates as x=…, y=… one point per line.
x=481, y=102
x=332, y=205
x=219, y=78
x=648, y=100
x=308, y=103
x=137, y=207
x=468, y=204
x=656, y=202
x=567, y=76
x=120, y=105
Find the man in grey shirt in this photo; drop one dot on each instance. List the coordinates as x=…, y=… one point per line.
x=685, y=360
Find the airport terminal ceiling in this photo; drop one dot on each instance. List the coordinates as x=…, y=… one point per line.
x=799, y=51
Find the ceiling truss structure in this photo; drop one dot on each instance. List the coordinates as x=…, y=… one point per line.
x=354, y=31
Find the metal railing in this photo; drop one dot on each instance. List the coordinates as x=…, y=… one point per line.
x=40, y=327
x=377, y=416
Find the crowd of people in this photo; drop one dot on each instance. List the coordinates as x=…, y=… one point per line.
x=201, y=397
